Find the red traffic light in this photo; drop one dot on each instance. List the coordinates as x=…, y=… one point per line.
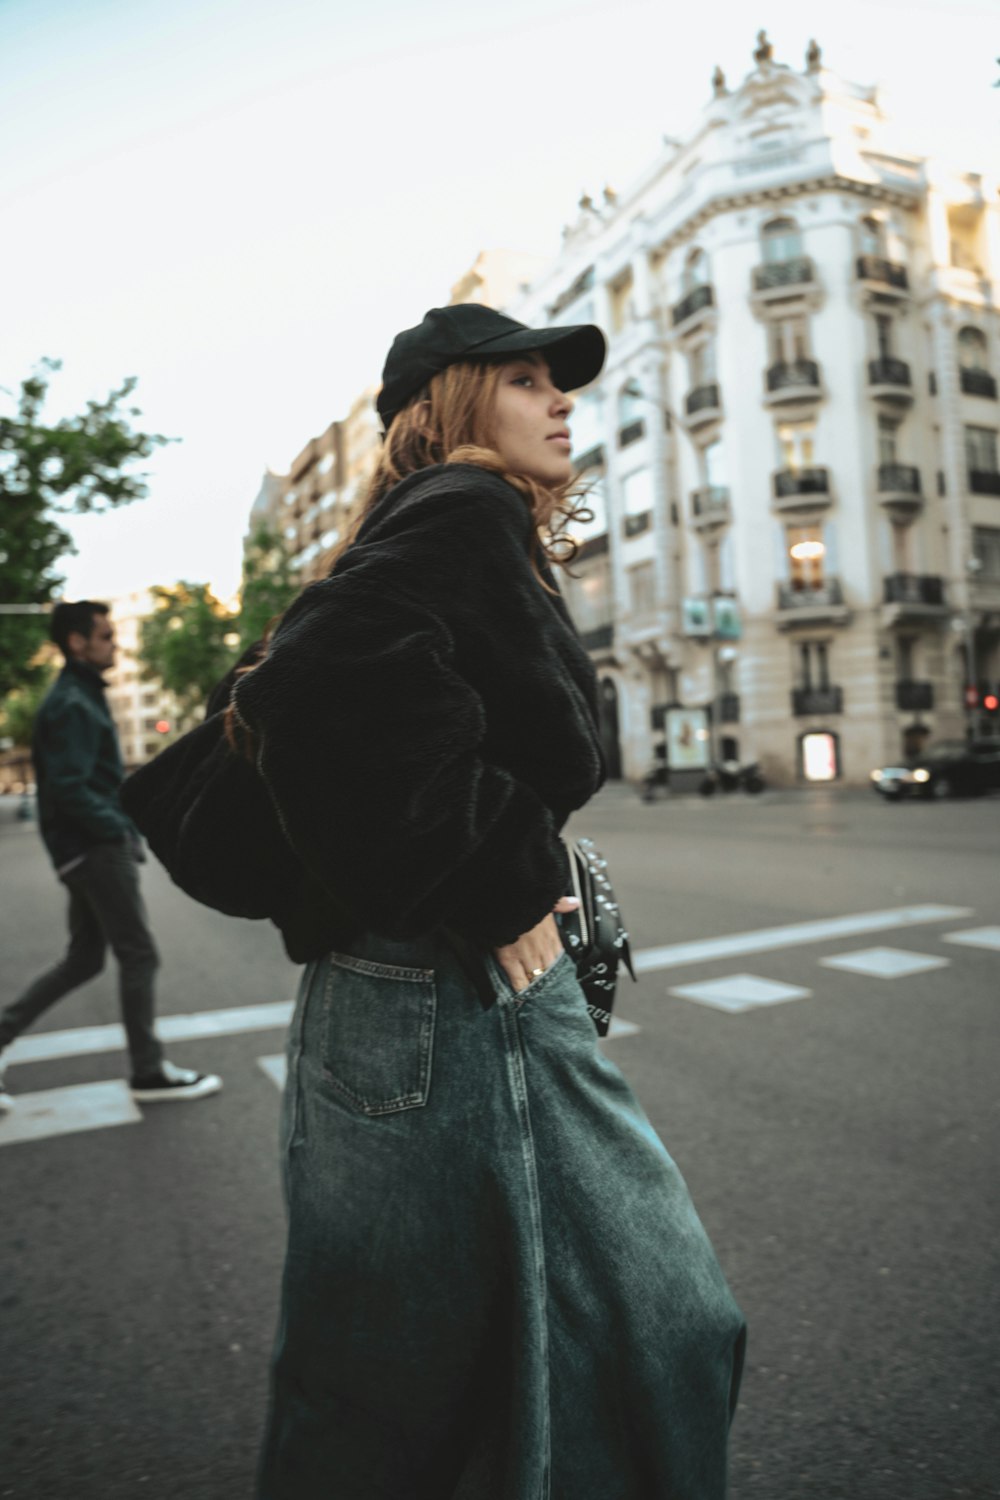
x=162, y=726
x=991, y=702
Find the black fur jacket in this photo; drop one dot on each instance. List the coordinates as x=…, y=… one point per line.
x=424, y=722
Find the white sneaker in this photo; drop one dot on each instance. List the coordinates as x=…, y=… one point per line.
x=171, y=1082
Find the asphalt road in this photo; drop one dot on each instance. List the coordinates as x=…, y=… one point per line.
x=841, y=1147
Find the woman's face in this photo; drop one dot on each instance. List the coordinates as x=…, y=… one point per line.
x=530, y=430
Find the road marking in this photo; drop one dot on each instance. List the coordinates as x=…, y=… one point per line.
x=976, y=937
x=85, y=1106
x=768, y=938
x=885, y=963
x=41, y=1046
x=738, y=992
x=275, y=1067
x=621, y=1028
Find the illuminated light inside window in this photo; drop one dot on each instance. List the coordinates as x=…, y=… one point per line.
x=807, y=551
x=819, y=757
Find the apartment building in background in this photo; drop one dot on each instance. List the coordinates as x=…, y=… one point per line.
x=795, y=550
x=144, y=713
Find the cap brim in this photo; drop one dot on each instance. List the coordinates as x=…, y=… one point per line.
x=575, y=355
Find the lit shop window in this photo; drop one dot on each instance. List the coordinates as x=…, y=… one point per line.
x=820, y=756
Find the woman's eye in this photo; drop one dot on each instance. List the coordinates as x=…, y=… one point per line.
x=524, y=380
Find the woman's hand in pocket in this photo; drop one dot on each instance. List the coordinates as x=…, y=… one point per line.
x=526, y=960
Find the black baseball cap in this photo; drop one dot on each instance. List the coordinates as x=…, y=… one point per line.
x=468, y=330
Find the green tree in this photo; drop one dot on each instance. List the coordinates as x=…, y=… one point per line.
x=188, y=643
x=81, y=464
x=18, y=710
x=269, y=584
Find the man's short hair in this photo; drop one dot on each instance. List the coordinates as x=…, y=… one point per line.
x=69, y=618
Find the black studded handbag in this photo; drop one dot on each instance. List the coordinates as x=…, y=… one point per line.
x=594, y=935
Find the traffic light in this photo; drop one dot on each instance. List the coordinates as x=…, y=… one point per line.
x=991, y=702
x=162, y=726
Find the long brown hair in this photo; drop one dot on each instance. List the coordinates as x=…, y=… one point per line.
x=451, y=422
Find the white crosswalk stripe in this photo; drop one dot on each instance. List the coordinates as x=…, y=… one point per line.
x=96, y=1106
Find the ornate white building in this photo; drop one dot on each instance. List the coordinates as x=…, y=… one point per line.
x=794, y=440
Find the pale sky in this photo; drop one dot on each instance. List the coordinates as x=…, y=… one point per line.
x=240, y=202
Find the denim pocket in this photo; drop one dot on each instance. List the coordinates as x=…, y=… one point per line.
x=541, y=983
x=378, y=1034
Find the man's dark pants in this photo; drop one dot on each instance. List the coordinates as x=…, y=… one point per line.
x=106, y=910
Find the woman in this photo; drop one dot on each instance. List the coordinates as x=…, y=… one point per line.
x=496, y=1286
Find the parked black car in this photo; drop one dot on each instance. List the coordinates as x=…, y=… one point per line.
x=951, y=768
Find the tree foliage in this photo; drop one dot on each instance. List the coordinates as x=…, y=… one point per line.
x=18, y=710
x=81, y=464
x=188, y=643
x=269, y=584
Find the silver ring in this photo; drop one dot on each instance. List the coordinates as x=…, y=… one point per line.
x=535, y=973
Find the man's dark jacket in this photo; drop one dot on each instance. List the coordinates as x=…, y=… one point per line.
x=423, y=724
x=78, y=767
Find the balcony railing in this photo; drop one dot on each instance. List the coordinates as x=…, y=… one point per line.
x=594, y=546
x=792, y=377
x=984, y=481
x=817, y=700
x=885, y=272
x=828, y=594
x=598, y=639
x=592, y=458
x=914, y=588
x=791, y=483
x=637, y=524
x=889, y=374
x=631, y=432
x=978, y=383
x=696, y=300
x=703, y=399
x=727, y=708
x=898, y=479
x=912, y=696
x=784, y=273
x=710, y=505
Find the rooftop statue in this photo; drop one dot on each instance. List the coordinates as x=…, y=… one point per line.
x=814, y=57
x=765, y=51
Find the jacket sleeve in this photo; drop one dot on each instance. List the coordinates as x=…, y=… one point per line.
x=369, y=741
x=70, y=739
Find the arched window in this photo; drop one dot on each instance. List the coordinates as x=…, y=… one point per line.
x=696, y=270
x=630, y=403
x=782, y=240
x=972, y=349
x=872, y=237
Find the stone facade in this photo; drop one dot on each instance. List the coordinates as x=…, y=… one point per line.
x=793, y=445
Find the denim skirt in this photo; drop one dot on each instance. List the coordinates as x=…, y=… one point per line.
x=496, y=1285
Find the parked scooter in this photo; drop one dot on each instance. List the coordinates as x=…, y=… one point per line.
x=731, y=776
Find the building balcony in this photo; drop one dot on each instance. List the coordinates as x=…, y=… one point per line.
x=889, y=380
x=914, y=697
x=898, y=489
x=781, y=280
x=600, y=638
x=693, y=309
x=594, y=546
x=886, y=277
x=913, y=597
x=817, y=700
x=984, y=482
x=727, y=708
x=637, y=524
x=710, y=507
x=978, y=383
x=703, y=404
x=592, y=458
x=811, y=605
x=795, y=380
x=631, y=432
x=800, y=489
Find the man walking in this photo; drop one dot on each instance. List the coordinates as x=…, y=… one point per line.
x=95, y=850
